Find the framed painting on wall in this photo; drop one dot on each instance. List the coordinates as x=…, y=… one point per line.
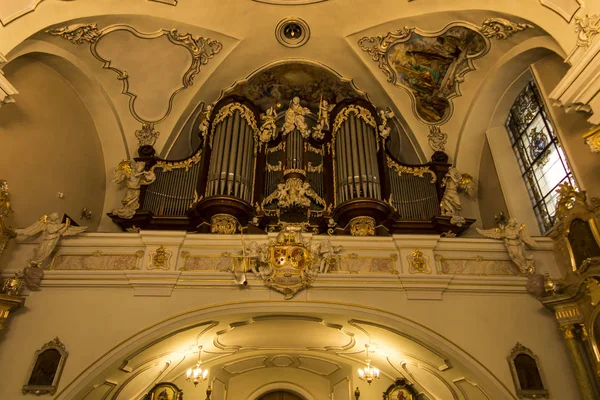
x=400, y=390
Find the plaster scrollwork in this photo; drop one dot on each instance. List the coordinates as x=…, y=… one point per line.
x=294, y=193
x=436, y=138
x=500, y=28
x=7, y=90
x=200, y=48
x=586, y=28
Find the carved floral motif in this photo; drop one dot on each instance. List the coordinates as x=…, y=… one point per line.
x=586, y=28
x=362, y=226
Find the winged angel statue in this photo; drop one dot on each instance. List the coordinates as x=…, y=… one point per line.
x=515, y=237
x=52, y=230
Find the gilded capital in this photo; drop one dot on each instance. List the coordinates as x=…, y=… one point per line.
x=9, y=304
x=568, y=332
x=592, y=139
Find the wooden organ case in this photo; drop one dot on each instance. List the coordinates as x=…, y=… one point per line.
x=329, y=170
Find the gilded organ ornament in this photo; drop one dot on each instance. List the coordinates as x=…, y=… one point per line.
x=160, y=258
x=224, y=224
x=12, y=286
x=288, y=265
x=268, y=128
x=418, y=263
x=362, y=226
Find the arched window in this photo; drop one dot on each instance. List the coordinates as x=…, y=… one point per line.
x=541, y=159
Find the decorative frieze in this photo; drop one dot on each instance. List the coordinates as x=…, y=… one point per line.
x=97, y=261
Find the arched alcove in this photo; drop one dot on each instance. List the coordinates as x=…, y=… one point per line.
x=292, y=341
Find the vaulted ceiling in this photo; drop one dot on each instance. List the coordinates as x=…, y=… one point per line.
x=133, y=62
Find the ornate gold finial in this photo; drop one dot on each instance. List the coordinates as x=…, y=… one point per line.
x=12, y=285
x=147, y=135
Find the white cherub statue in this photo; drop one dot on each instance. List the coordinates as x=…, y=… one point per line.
x=205, y=122
x=385, y=128
x=294, y=118
x=132, y=172
x=515, y=237
x=268, y=129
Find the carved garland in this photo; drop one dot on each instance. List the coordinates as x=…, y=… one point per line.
x=227, y=111
x=201, y=49
x=415, y=171
x=168, y=166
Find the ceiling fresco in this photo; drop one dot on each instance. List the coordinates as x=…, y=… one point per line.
x=429, y=66
x=432, y=65
x=283, y=81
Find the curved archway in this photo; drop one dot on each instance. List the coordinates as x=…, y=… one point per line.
x=102, y=110
x=289, y=387
x=354, y=324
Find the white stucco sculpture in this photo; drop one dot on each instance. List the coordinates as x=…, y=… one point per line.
x=132, y=172
x=515, y=237
x=52, y=229
x=294, y=118
x=385, y=128
x=268, y=129
x=456, y=182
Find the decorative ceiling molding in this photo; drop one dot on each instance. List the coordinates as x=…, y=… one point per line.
x=586, y=28
x=201, y=49
x=436, y=138
x=16, y=10
x=430, y=66
x=6, y=89
x=292, y=32
x=565, y=8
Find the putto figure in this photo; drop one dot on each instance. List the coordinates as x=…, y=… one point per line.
x=268, y=128
x=133, y=173
x=294, y=118
x=515, y=237
x=205, y=122
x=385, y=128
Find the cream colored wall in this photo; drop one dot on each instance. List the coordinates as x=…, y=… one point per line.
x=570, y=126
x=49, y=144
x=490, y=197
x=91, y=321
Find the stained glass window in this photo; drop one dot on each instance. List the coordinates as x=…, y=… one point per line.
x=539, y=154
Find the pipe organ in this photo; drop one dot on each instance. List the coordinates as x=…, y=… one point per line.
x=325, y=168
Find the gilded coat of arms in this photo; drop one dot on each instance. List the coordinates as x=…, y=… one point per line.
x=287, y=264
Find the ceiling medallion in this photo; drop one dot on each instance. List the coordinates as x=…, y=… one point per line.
x=292, y=32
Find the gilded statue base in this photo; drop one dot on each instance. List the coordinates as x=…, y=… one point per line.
x=9, y=304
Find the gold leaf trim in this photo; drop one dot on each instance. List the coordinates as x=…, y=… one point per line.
x=227, y=111
x=415, y=171
x=358, y=111
x=171, y=165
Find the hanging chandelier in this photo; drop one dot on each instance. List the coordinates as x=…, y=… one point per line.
x=368, y=374
x=197, y=374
